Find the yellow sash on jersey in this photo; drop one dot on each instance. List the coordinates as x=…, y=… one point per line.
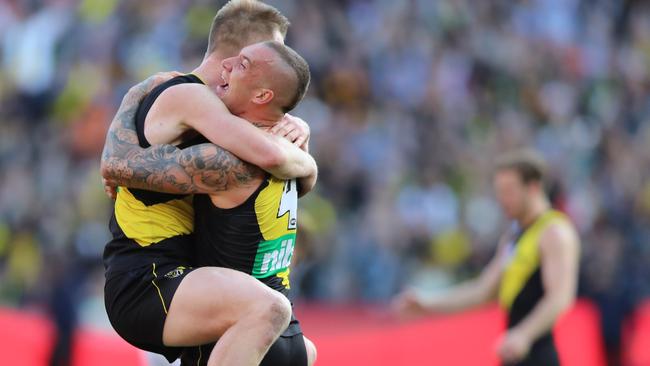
x=276, y=208
x=525, y=259
x=151, y=224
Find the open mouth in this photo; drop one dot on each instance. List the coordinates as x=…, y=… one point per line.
x=224, y=86
x=222, y=89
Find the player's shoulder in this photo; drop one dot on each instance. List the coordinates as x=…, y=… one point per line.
x=189, y=96
x=187, y=90
x=559, y=232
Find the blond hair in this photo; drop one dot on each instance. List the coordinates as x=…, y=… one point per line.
x=242, y=22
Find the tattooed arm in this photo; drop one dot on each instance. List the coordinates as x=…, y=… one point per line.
x=204, y=168
x=121, y=139
x=164, y=168
x=208, y=115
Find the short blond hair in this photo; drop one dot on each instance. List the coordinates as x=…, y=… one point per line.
x=242, y=22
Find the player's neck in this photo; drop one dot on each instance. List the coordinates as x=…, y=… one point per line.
x=209, y=71
x=537, y=207
x=262, y=117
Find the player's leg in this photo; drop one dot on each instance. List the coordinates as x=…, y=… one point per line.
x=289, y=351
x=218, y=303
x=311, y=351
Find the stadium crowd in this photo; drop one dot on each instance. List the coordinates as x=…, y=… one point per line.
x=409, y=104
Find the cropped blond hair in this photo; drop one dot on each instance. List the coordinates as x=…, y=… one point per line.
x=242, y=22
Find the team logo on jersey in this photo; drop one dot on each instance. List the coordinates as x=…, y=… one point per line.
x=289, y=204
x=176, y=272
x=274, y=256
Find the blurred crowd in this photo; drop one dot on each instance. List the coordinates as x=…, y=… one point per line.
x=410, y=103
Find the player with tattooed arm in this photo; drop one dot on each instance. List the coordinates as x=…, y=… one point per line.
x=155, y=299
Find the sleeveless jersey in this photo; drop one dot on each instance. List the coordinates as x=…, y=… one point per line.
x=256, y=237
x=521, y=285
x=142, y=218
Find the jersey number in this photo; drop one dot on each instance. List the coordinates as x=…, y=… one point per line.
x=289, y=203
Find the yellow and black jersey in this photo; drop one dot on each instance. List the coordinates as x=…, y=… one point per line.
x=521, y=282
x=256, y=237
x=521, y=285
x=145, y=219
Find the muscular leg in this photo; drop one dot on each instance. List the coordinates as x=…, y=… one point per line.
x=311, y=351
x=244, y=315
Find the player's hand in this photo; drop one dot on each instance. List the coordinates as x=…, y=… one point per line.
x=408, y=305
x=513, y=347
x=293, y=129
x=143, y=88
x=109, y=189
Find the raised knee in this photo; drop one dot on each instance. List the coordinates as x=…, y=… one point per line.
x=278, y=312
x=272, y=314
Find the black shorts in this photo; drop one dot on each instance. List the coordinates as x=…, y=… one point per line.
x=288, y=350
x=137, y=299
x=542, y=353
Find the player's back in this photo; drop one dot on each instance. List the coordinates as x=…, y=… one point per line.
x=256, y=237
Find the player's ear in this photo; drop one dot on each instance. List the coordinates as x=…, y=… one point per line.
x=263, y=96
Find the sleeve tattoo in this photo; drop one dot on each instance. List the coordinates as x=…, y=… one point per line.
x=204, y=168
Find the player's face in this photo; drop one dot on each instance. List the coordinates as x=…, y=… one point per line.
x=511, y=193
x=243, y=75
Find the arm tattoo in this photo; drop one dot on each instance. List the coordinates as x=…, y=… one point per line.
x=204, y=168
x=122, y=138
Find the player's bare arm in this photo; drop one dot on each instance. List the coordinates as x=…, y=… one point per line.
x=464, y=296
x=560, y=253
x=208, y=115
x=204, y=168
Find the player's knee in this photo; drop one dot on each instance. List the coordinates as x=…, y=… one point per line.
x=271, y=316
x=279, y=312
x=275, y=313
